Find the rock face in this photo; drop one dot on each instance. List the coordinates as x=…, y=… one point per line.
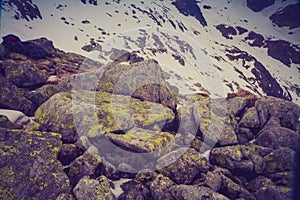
x=288, y=16
x=257, y=5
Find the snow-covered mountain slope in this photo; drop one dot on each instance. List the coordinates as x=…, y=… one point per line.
x=212, y=46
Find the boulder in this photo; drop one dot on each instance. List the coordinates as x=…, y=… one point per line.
x=239, y=157
x=24, y=74
x=237, y=105
x=142, y=80
x=276, y=192
x=93, y=189
x=277, y=137
x=214, y=180
x=209, y=120
x=259, y=182
x=250, y=119
x=280, y=160
x=29, y=167
x=146, y=176
x=68, y=153
x=96, y=113
x=160, y=187
x=141, y=140
x=14, y=98
x=286, y=112
x=42, y=94
x=185, y=158
x=86, y=164
x=244, y=135
x=215, y=123
x=135, y=190
x=234, y=190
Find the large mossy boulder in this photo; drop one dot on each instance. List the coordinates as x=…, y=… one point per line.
x=29, y=167
x=96, y=113
x=142, y=80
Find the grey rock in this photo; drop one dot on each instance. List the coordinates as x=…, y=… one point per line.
x=276, y=193
x=195, y=192
x=86, y=164
x=237, y=105
x=93, y=189
x=24, y=74
x=160, y=188
x=183, y=159
x=280, y=160
x=278, y=137
x=250, y=119
x=29, y=167
x=286, y=112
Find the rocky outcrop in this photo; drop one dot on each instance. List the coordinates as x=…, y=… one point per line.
x=257, y=5
x=23, y=79
x=86, y=135
x=190, y=8
x=288, y=16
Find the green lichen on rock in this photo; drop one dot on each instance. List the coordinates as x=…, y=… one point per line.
x=141, y=140
x=24, y=73
x=86, y=164
x=27, y=165
x=241, y=157
x=93, y=189
x=210, y=117
x=173, y=163
x=160, y=186
x=142, y=80
x=96, y=113
x=280, y=160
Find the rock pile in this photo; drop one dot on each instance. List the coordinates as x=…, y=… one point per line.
x=90, y=131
